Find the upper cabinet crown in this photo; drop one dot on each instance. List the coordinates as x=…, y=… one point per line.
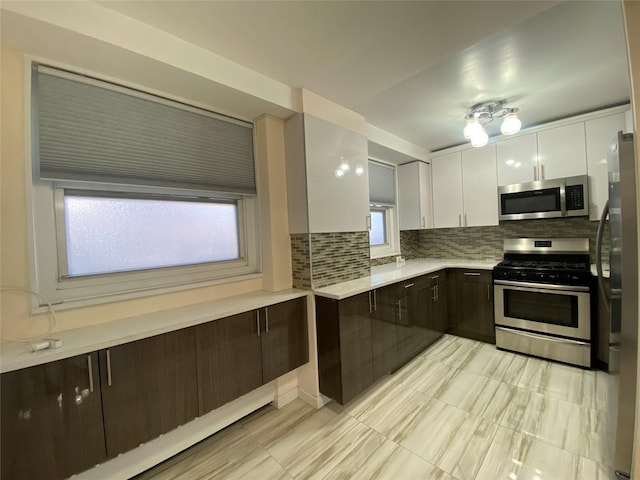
x=327, y=176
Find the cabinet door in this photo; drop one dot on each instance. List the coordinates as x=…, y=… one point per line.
x=383, y=333
x=600, y=133
x=229, y=359
x=446, y=171
x=49, y=430
x=475, y=314
x=517, y=159
x=562, y=152
x=336, y=203
x=355, y=341
x=148, y=388
x=438, y=303
x=284, y=338
x=480, y=186
x=414, y=196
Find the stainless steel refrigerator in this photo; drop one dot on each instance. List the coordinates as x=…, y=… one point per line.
x=623, y=306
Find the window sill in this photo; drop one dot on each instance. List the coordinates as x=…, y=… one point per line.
x=142, y=292
x=386, y=253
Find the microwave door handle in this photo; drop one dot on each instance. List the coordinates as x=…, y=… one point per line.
x=603, y=291
x=563, y=199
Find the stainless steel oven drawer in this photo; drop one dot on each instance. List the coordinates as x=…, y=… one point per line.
x=560, y=349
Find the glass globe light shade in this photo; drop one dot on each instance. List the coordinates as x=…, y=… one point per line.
x=480, y=139
x=473, y=128
x=511, y=124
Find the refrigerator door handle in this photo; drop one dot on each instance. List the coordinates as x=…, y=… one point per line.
x=603, y=291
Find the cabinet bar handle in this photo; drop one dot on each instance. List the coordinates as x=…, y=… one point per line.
x=258, y=321
x=424, y=223
x=434, y=293
x=542, y=171
x=459, y=220
x=437, y=293
x=109, y=367
x=90, y=368
x=465, y=220
x=472, y=274
x=399, y=310
x=375, y=302
x=370, y=304
x=368, y=222
x=435, y=276
x=409, y=285
x=266, y=319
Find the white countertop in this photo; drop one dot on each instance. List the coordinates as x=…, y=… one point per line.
x=390, y=273
x=14, y=356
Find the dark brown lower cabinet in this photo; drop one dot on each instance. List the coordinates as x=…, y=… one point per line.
x=51, y=419
x=474, y=299
x=345, y=365
x=383, y=332
x=237, y=354
x=438, y=302
x=284, y=336
x=229, y=358
x=148, y=388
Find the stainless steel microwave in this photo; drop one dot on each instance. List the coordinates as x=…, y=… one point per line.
x=561, y=197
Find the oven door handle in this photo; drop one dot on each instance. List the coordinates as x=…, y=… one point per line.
x=541, y=286
x=546, y=338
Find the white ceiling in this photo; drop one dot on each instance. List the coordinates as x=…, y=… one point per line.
x=414, y=68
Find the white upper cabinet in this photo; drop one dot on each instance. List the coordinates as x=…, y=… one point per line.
x=336, y=202
x=562, y=152
x=601, y=133
x=465, y=188
x=414, y=196
x=319, y=199
x=517, y=159
x=480, y=186
x=446, y=171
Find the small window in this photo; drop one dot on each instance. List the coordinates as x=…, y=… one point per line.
x=378, y=235
x=383, y=234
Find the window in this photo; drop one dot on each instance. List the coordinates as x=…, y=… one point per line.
x=383, y=234
x=132, y=192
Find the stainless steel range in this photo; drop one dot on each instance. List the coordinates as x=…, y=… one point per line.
x=542, y=299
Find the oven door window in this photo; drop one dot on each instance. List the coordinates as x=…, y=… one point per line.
x=549, y=308
x=532, y=201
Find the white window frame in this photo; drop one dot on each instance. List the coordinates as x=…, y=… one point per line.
x=45, y=201
x=392, y=247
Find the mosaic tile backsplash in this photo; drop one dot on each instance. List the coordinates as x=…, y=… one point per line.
x=301, y=261
x=339, y=257
x=487, y=242
x=322, y=259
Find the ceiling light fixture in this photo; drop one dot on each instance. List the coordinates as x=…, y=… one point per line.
x=483, y=113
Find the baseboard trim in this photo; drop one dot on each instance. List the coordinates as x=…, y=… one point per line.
x=160, y=449
x=316, y=401
x=286, y=398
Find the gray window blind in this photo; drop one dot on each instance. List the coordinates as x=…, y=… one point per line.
x=89, y=130
x=382, y=185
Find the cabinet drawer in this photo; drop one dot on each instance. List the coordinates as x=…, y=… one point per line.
x=434, y=278
x=471, y=275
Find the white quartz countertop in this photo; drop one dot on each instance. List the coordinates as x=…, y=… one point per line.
x=391, y=273
x=14, y=356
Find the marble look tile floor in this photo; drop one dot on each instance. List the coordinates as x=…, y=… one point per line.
x=462, y=410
